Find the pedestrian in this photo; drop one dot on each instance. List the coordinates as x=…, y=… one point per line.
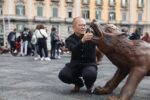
x=55, y=46
x=41, y=35
x=146, y=37
x=136, y=35
x=24, y=42
x=34, y=41
x=82, y=68
x=12, y=40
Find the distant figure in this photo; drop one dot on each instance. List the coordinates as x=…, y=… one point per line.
x=24, y=42
x=146, y=37
x=41, y=35
x=55, y=39
x=136, y=35
x=12, y=40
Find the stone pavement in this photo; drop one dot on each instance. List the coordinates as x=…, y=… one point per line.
x=22, y=78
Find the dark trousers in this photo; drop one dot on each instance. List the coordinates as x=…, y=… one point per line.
x=12, y=45
x=42, y=45
x=53, y=46
x=72, y=75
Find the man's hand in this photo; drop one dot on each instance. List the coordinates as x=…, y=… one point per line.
x=87, y=37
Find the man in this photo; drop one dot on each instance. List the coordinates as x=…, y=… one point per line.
x=136, y=35
x=24, y=42
x=83, y=61
x=12, y=40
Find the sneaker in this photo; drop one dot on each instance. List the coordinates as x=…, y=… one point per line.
x=42, y=59
x=47, y=59
x=36, y=58
x=89, y=89
x=15, y=51
x=59, y=57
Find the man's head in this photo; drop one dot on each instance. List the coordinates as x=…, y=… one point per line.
x=14, y=30
x=79, y=26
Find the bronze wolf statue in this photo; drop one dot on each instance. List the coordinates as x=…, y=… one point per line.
x=131, y=57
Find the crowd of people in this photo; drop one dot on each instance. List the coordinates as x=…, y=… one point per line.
x=35, y=43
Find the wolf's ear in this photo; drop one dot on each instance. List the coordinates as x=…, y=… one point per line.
x=97, y=28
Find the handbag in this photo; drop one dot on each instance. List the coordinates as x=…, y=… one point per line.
x=34, y=39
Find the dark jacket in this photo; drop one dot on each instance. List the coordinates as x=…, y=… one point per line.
x=25, y=36
x=81, y=52
x=11, y=37
x=135, y=36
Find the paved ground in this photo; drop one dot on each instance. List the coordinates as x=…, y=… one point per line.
x=22, y=78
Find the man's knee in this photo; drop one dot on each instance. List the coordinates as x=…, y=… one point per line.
x=90, y=74
x=64, y=76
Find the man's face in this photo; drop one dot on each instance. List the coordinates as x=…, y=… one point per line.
x=79, y=26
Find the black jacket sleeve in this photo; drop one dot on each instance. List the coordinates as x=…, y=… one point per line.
x=73, y=43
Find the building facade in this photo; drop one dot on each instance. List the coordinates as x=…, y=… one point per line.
x=60, y=13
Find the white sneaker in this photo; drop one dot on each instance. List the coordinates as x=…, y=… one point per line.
x=15, y=51
x=36, y=58
x=47, y=59
x=42, y=58
x=59, y=57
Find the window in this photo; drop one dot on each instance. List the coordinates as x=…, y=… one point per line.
x=124, y=3
x=140, y=3
x=124, y=16
x=112, y=2
x=99, y=2
x=69, y=0
x=140, y=16
x=55, y=11
x=86, y=14
x=39, y=8
x=19, y=27
x=55, y=0
x=98, y=14
x=69, y=12
x=20, y=10
x=85, y=1
x=112, y=16
x=39, y=11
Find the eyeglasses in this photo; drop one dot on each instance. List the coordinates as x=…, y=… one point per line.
x=82, y=25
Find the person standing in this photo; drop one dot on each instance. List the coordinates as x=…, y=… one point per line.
x=54, y=43
x=83, y=58
x=42, y=42
x=24, y=42
x=12, y=40
x=136, y=35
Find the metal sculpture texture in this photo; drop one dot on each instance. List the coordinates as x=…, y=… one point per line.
x=131, y=57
